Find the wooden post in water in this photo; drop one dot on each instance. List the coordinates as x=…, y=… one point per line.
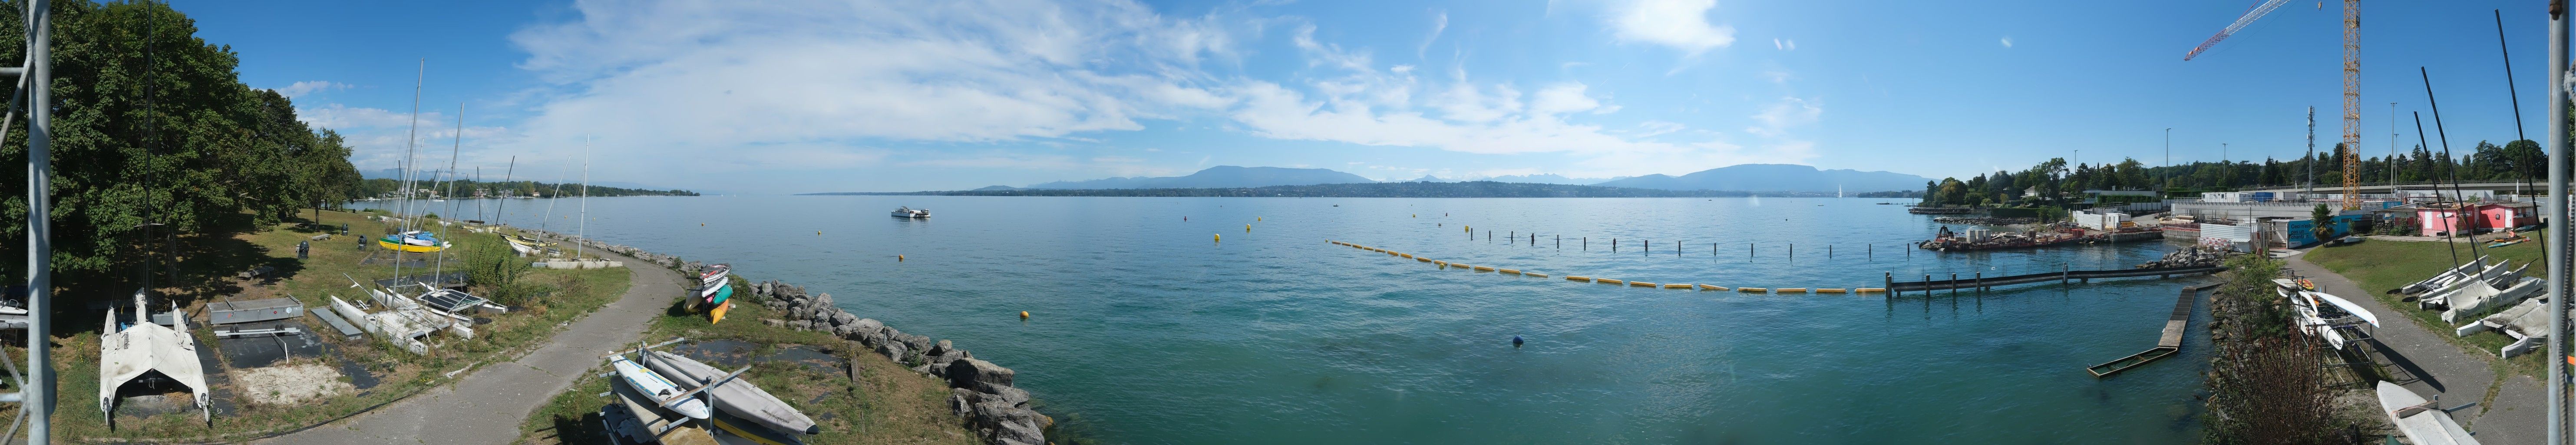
x=1954, y=284
x=1587, y=243
x=1614, y=244
x=1872, y=252
x=1650, y=247
x=1829, y=251
x=1927, y=288
x=1890, y=284
x=1793, y=251
x=1981, y=282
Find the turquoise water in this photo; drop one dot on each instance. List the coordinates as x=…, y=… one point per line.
x=1145, y=330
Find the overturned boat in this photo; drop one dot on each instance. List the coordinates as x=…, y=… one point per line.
x=738, y=398
x=2421, y=421
x=143, y=353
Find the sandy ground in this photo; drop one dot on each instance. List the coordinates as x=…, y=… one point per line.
x=283, y=385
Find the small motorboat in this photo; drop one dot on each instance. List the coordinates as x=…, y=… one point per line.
x=909, y=212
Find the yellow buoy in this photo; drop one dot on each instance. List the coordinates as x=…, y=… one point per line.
x=1024, y=315
x=1256, y=218
x=1219, y=237
x=702, y=224
x=1247, y=227
x=898, y=258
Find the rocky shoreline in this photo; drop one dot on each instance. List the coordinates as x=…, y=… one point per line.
x=980, y=391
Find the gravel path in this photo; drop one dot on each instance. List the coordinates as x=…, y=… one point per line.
x=2423, y=361
x=487, y=406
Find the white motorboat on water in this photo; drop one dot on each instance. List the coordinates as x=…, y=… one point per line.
x=139, y=348
x=2421, y=421
x=909, y=212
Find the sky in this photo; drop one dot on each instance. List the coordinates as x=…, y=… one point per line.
x=864, y=95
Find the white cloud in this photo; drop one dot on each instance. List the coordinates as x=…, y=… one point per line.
x=1681, y=24
x=1439, y=23
x=812, y=84
x=2007, y=41
x=1784, y=44
x=1775, y=120
x=300, y=89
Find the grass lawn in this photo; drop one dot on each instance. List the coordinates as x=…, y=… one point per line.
x=887, y=405
x=207, y=271
x=2381, y=266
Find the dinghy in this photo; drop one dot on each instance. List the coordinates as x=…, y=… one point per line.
x=661, y=390
x=739, y=398
x=2444, y=278
x=413, y=241
x=2421, y=421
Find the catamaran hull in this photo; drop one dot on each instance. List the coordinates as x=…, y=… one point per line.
x=409, y=248
x=738, y=398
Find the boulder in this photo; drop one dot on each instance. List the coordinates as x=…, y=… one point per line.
x=892, y=350
x=869, y=325
x=1018, y=398
x=969, y=372
x=923, y=369
x=917, y=342
x=1002, y=423
x=840, y=317
x=961, y=401
x=941, y=348
x=773, y=322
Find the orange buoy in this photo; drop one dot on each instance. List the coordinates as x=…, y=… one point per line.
x=898, y=258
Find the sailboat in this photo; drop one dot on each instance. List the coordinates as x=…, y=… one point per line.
x=413, y=241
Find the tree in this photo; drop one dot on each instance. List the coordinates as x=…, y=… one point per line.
x=154, y=135
x=2321, y=222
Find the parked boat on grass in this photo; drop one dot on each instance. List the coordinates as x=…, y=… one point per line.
x=739, y=398
x=138, y=348
x=2422, y=421
x=660, y=389
x=413, y=241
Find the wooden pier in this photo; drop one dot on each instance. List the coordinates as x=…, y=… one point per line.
x=1985, y=282
x=2167, y=344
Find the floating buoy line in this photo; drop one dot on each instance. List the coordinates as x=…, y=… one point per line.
x=1702, y=287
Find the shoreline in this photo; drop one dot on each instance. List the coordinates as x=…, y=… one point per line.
x=980, y=392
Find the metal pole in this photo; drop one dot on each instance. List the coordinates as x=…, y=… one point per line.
x=39, y=400
x=2558, y=286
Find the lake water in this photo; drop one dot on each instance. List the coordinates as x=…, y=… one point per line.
x=1146, y=330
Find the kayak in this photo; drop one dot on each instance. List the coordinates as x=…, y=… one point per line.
x=717, y=315
x=658, y=388
x=718, y=295
x=738, y=397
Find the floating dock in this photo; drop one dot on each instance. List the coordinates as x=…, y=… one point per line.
x=1982, y=282
x=2167, y=344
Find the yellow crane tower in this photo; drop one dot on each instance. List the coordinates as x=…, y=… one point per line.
x=2351, y=84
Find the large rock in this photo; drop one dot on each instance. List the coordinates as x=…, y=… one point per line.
x=773, y=322
x=1018, y=398
x=869, y=325
x=917, y=342
x=892, y=350
x=1002, y=423
x=840, y=317
x=969, y=372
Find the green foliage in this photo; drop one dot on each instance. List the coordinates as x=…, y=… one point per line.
x=389, y=188
x=2250, y=284
x=493, y=268
x=2321, y=222
x=152, y=125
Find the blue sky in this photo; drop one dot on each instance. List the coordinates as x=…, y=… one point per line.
x=801, y=96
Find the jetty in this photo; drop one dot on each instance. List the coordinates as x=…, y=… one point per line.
x=2167, y=344
x=1982, y=282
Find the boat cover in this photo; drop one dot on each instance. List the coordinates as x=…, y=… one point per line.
x=2478, y=300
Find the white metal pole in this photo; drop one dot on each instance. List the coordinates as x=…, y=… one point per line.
x=2558, y=286
x=39, y=401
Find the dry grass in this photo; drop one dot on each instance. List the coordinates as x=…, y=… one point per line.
x=326, y=273
x=888, y=404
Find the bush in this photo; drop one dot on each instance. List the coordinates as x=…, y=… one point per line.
x=494, y=269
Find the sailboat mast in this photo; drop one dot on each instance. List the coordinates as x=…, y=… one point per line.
x=583, y=231
x=411, y=158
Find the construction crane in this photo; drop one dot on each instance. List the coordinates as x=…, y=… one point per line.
x=2351, y=84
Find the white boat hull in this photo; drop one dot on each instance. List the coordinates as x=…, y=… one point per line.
x=654, y=386
x=2422, y=423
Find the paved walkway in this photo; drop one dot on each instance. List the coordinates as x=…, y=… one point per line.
x=2421, y=360
x=487, y=405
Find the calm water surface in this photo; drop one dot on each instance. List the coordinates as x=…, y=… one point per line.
x=1145, y=330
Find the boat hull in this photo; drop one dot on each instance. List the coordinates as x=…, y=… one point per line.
x=408, y=247
x=738, y=398
x=656, y=387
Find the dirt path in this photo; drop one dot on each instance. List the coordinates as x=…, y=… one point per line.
x=2421, y=360
x=487, y=406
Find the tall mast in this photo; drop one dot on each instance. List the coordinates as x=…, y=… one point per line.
x=411, y=159
x=583, y=230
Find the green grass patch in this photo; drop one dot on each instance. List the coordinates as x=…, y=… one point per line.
x=887, y=404
x=328, y=272
x=2381, y=266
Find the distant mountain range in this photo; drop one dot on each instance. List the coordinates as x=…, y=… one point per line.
x=1776, y=178
x=1736, y=178
x=1222, y=176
